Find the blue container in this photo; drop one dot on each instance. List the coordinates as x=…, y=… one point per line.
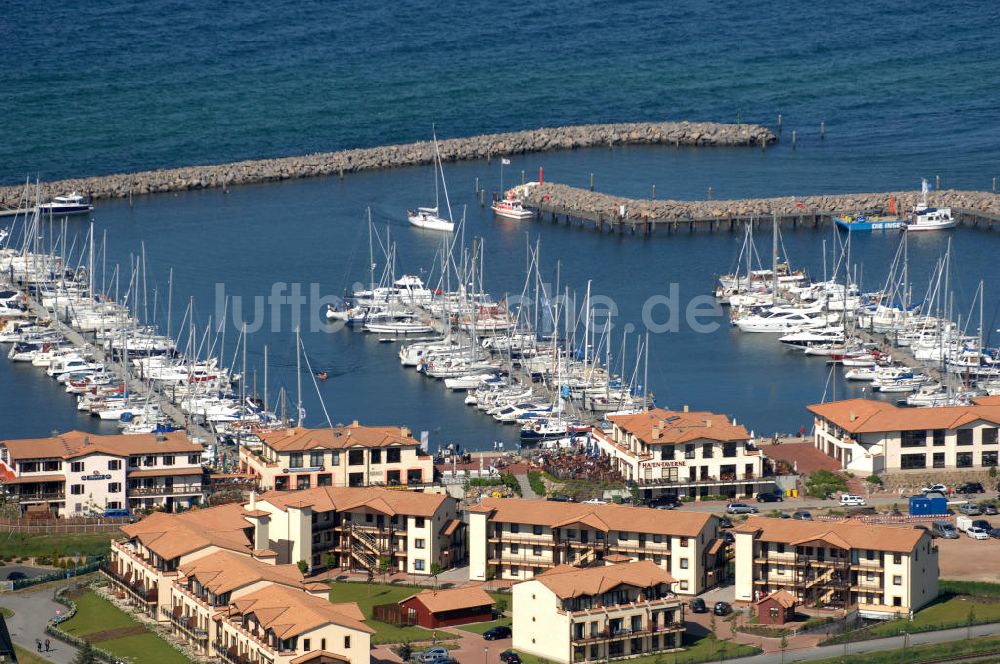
x=928, y=505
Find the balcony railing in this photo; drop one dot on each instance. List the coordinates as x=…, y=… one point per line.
x=625, y=633
x=41, y=495
x=230, y=654
x=164, y=490
x=135, y=591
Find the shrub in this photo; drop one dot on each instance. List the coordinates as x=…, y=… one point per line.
x=823, y=482
x=535, y=480
x=303, y=566
x=874, y=479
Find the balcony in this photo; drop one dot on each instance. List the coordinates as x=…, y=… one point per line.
x=41, y=496
x=164, y=490
x=137, y=592
x=608, y=635
x=230, y=654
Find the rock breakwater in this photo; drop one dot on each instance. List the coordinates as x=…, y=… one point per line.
x=593, y=205
x=393, y=156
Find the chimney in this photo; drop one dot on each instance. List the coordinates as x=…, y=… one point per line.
x=708, y=421
x=355, y=424
x=685, y=408
x=160, y=437
x=853, y=416
x=253, y=500
x=404, y=432
x=657, y=432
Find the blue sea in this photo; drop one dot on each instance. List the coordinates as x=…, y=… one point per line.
x=906, y=91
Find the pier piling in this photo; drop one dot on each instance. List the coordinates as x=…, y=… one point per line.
x=795, y=138
x=779, y=124
x=654, y=192
x=937, y=183
x=822, y=130
x=709, y=192
x=477, y=185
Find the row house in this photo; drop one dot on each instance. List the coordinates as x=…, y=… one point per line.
x=518, y=539
x=363, y=529
x=683, y=453
x=345, y=456
x=870, y=436
x=568, y=614
x=78, y=473
x=881, y=571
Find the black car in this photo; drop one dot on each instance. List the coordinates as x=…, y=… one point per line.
x=560, y=499
x=995, y=533
x=498, y=632
x=725, y=522
x=722, y=609
x=770, y=497
x=17, y=576
x=510, y=657
x=802, y=515
x=989, y=509
x=970, y=487
x=665, y=502
x=697, y=605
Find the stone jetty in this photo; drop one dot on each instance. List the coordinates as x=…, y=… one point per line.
x=393, y=156
x=589, y=205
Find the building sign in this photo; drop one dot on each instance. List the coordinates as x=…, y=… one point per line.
x=663, y=464
x=95, y=476
x=311, y=469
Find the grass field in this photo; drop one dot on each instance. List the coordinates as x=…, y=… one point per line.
x=697, y=649
x=929, y=653
x=25, y=656
x=22, y=545
x=369, y=595
x=479, y=628
x=96, y=614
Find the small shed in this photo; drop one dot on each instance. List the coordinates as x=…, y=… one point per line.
x=931, y=504
x=444, y=608
x=776, y=608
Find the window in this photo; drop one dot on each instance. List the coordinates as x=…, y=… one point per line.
x=780, y=570
x=938, y=436
x=515, y=528
x=910, y=461
x=114, y=487
x=658, y=539
x=76, y=467
x=964, y=436
x=989, y=459
x=514, y=548
x=114, y=464
x=418, y=565
x=667, y=453
x=168, y=459
x=194, y=459
x=376, y=456
x=418, y=522
x=684, y=563
x=149, y=460
x=897, y=580
x=302, y=482
x=622, y=535
x=133, y=462
x=689, y=451
x=897, y=559
x=684, y=585
x=305, y=645
x=76, y=489
x=939, y=459
x=897, y=601
x=295, y=460
x=706, y=451
x=315, y=459
x=322, y=644
x=536, y=551
x=335, y=460
x=869, y=576
x=780, y=547
x=418, y=543
x=990, y=436
x=963, y=460
x=393, y=455
x=355, y=457
x=347, y=642
x=537, y=530
x=913, y=438
x=684, y=541
x=870, y=555
x=392, y=477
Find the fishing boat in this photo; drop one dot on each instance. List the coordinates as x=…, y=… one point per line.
x=68, y=204
x=867, y=222
x=511, y=208
x=926, y=218
x=429, y=217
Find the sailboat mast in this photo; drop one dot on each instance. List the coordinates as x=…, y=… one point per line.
x=298, y=376
x=774, y=262
x=265, y=379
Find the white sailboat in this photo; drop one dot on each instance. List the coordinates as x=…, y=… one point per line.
x=429, y=218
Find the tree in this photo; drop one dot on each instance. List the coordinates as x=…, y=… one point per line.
x=970, y=620
x=383, y=566
x=303, y=566
x=783, y=644
x=86, y=655
x=435, y=570
x=711, y=624
x=405, y=651
x=330, y=560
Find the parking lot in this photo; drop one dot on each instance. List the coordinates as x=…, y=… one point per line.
x=968, y=559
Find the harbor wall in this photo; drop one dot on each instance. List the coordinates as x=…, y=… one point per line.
x=589, y=205
x=392, y=156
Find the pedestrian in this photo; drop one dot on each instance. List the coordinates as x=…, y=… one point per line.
x=47, y=644
x=38, y=644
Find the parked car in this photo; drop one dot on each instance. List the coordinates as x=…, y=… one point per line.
x=982, y=523
x=509, y=655
x=977, y=533
x=697, y=605
x=944, y=530
x=769, y=497
x=722, y=609
x=803, y=515
x=934, y=488
x=989, y=509
x=17, y=576
x=560, y=499
x=741, y=508
x=665, y=502
x=850, y=500
x=497, y=633
x=970, y=509
x=783, y=515
x=435, y=655
x=995, y=533
x=725, y=522
x=595, y=501
x=970, y=487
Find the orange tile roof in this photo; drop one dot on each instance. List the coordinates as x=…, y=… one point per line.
x=74, y=444
x=297, y=439
x=173, y=535
x=871, y=416
x=567, y=581
x=601, y=517
x=225, y=571
x=31, y=479
x=844, y=534
x=289, y=612
x=319, y=656
x=992, y=400
x=453, y=599
x=784, y=599
x=665, y=427
x=343, y=499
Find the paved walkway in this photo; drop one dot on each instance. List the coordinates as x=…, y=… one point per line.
x=32, y=610
x=526, y=490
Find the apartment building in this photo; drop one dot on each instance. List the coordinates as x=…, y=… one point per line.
x=346, y=456
x=367, y=529
x=519, y=539
x=281, y=625
x=683, y=453
x=568, y=614
x=882, y=571
x=869, y=436
x=78, y=473
x=207, y=585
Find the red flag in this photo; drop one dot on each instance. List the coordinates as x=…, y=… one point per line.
x=798, y=204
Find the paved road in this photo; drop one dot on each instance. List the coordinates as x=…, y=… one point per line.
x=32, y=610
x=526, y=490
x=893, y=643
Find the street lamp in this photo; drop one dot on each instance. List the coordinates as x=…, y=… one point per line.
x=486, y=656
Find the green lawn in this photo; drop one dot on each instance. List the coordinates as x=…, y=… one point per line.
x=697, y=649
x=22, y=545
x=953, y=611
x=25, y=656
x=5, y=612
x=367, y=596
x=479, y=628
x=930, y=653
x=96, y=614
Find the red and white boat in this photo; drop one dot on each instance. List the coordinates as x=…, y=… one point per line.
x=511, y=208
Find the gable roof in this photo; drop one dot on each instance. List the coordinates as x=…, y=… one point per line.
x=843, y=534
x=871, y=416
x=664, y=427
x=567, y=581
x=173, y=535
x=297, y=439
x=288, y=612
x=74, y=444
x=453, y=599
x=390, y=502
x=784, y=599
x=600, y=517
x=225, y=571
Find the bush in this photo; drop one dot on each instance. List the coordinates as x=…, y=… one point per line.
x=874, y=479
x=823, y=483
x=535, y=480
x=303, y=566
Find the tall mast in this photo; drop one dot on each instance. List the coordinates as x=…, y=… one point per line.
x=298, y=375
x=265, y=379
x=774, y=261
x=170, y=298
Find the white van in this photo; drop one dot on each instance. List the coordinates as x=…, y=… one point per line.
x=847, y=500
